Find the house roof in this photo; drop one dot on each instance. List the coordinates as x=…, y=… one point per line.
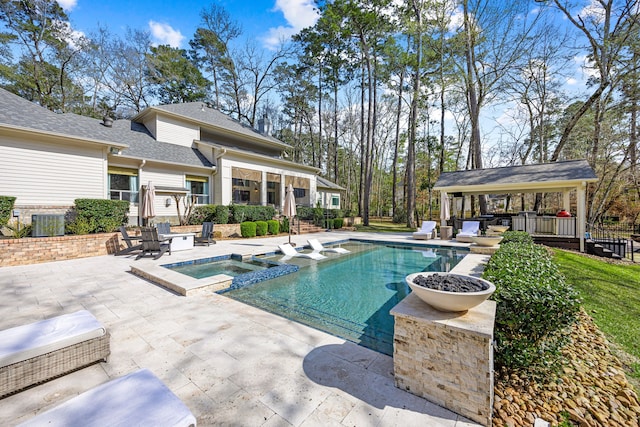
x=213, y=119
x=325, y=183
x=547, y=177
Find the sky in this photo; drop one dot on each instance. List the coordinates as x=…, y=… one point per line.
x=174, y=22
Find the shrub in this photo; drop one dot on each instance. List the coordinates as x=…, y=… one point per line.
x=6, y=205
x=338, y=223
x=222, y=215
x=305, y=212
x=328, y=224
x=20, y=230
x=400, y=216
x=273, y=227
x=248, y=229
x=217, y=214
x=241, y=213
x=80, y=226
x=107, y=215
x=516, y=236
x=284, y=225
x=535, y=308
x=261, y=228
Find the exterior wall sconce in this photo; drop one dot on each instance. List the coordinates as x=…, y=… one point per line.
x=167, y=202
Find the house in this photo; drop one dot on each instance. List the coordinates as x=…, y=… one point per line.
x=51, y=159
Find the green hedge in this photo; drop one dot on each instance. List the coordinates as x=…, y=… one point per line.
x=248, y=229
x=516, y=236
x=535, y=308
x=241, y=213
x=217, y=214
x=6, y=206
x=338, y=223
x=273, y=227
x=100, y=215
x=284, y=225
x=261, y=228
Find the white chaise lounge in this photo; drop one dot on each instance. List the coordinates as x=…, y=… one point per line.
x=137, y=399
x=426, y=231
x=469, y=229
x=318, y=248
x=34, y=353
x=289, y=252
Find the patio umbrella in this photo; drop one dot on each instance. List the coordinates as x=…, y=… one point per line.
x=289, y=207
x=147, y=208
x=444, y=208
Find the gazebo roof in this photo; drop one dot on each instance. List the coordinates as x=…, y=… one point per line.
x=545, y=177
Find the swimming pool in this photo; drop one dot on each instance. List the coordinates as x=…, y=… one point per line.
x=350, y=295
x=210, y=267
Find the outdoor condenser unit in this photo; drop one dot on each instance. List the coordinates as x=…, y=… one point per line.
x=47, y=225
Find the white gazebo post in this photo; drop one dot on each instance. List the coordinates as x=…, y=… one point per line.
x=581, y=213
x=566, y=200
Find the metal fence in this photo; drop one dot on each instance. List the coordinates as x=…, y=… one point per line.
x=621, y=238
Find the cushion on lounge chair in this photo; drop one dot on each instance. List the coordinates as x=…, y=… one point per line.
x=137, y=399
x=317, y=247
x=290, y=252
x=427, y=231
x=469, y=229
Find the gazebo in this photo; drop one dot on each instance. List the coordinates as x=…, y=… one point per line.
x=558, y=177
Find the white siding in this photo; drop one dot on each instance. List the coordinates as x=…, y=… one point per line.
x=42, y=173
x=163, y=178
x=150, y=124
x=175, y=132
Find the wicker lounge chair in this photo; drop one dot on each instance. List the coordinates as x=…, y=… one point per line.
x=427, y=231
x=206, y=236
x=139, y=398
x=37, y=352
x=128, y=240
x=469, y=229
x=317, y=247
x=151, y=244
x=289, y=252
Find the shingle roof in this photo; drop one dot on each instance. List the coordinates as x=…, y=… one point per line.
x=200, y=112
x=140, y=144
x=324, y=183
x=527, y=175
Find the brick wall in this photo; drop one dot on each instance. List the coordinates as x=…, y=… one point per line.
x=446, y=358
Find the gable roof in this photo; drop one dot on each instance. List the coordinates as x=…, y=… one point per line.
x=325, y=183
x=212, y=119
x=549, y=177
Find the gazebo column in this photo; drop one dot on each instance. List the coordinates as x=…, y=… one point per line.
x=581, y=213
x=566, y=200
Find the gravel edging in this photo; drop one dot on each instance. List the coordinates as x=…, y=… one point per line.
x=592, y=390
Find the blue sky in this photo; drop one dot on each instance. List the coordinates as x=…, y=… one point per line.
x=174, y=22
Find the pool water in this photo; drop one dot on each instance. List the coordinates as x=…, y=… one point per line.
x=229, y=267
x=350, y=295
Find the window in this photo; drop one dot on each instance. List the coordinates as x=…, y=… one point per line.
x=335, y=201
x=246, y=186
x=299, y=192
x=198, y=186
x=123, y=184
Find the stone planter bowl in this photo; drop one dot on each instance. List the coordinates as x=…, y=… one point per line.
x=450, y=301
x=498, y=228
x=486, y=240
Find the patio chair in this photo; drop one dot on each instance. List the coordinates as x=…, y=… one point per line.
x=163, y=228
x=427, y=231
x=206, y=235
x=128, y=240
x=289, y=252
x=37, y=352
x=151, y=244
x=318, y=248
x=469, y=229
x=139, y=398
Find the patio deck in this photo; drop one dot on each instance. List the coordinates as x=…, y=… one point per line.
x=230, y=363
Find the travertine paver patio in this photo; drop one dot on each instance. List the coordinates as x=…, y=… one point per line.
x=230, y=363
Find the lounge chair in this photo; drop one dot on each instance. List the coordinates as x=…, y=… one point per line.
x=206, y=235
x=128, y=240
x=318, y=248
x=151, y=244
x=289, y=252
x=139, y=398
x=427, y=231
x=37, y=352
x=163, y=228
x=469, y=229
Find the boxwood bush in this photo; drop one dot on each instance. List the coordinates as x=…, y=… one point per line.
x=217, y=214
x=516, y=236
x=273, y=226
x=241, y=213
x=261, y=228
x=338, y=223
x=535, y=308
x=248, y=229
x=6, y=206
x=105, y=216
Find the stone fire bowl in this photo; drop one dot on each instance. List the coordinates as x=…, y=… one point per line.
x=498, y=228
x=450, y=301
x=486, y=240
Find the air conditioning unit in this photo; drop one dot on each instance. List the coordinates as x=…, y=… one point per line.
x=47, y=225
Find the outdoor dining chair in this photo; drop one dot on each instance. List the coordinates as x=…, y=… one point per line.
x=206, y=235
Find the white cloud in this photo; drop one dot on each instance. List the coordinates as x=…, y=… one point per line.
x=67, y=5
x=165, y=34
x=299, y=14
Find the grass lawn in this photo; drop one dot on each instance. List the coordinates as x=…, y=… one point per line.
x=384, y=225
x=611, y=295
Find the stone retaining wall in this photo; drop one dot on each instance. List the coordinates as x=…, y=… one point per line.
x=446, y=358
